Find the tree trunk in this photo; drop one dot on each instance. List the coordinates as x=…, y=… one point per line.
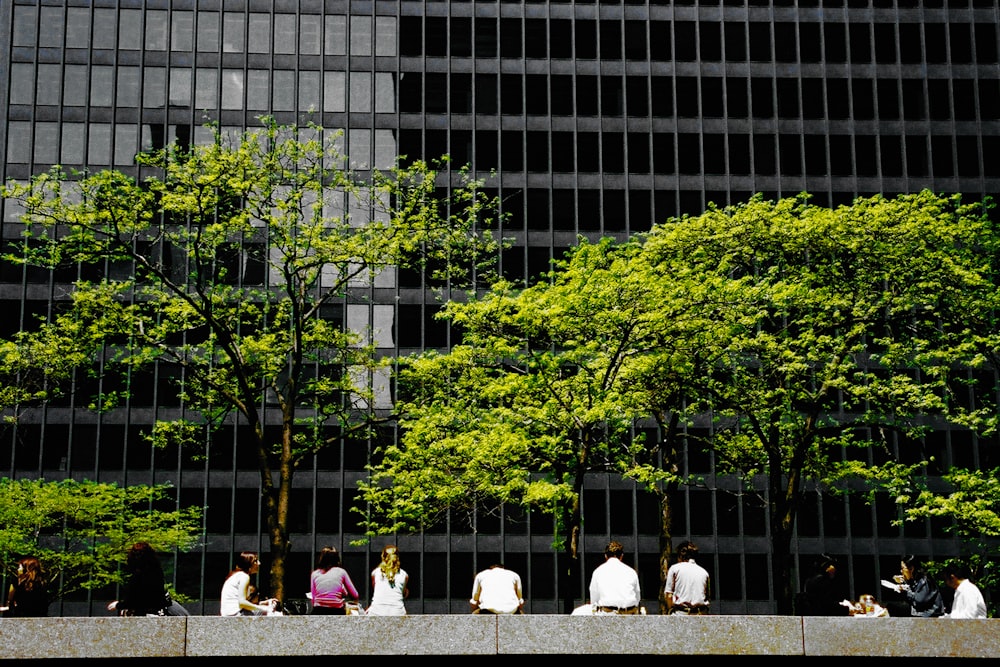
x=278, y=529
x=571, y=569
x=666, y=548
x=781, y=567
x=782, y=510
x=276, y=505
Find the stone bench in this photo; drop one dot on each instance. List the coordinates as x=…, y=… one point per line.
x=467, y=634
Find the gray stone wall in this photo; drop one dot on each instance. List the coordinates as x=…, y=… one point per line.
x=455, y=634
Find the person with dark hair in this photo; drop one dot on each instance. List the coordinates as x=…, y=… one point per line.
x=28, y=595
x=497, y=590
x=968, y=601
x=235, y=600
x=822, y=593
x=687, y=589
x=145, y=592
x=330, y=585
x=390, y=585
x=915, y=584
x=614, y=586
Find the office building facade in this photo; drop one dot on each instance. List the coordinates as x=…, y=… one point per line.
x=600, y=119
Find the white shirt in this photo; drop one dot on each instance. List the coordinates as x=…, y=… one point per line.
x=614, y=584
x=234, y=591
x=498, y=590
x=688, y=583
x=968, y=602
x=387, y=598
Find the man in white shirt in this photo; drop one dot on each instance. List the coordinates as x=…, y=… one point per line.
x=614, y=586
x=968, y=601
x=687, y=587
x=497, y=590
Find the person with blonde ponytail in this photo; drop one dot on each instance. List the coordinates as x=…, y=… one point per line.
x=389, y=585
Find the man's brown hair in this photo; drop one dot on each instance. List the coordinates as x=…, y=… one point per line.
x=686, y=551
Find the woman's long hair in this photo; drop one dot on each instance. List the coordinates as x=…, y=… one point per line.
x=917, y=571
x=244, y=562
x=31, y=576
x=390, y=563
x=328, y=558
x=142, y=559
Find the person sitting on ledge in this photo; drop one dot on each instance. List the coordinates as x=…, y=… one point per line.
x=968, y=601
x=614, y=586
x=687, y=587
x=497, y=590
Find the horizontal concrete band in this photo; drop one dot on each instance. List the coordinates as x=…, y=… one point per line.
x=459, y=634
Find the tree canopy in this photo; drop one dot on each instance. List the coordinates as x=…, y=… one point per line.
x=233, y=264
x=81, y=531
x=550, y=383
x=812, y=339
x=862, y=312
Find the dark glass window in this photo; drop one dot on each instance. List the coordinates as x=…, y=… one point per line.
x=736, y=41
x=835, y=42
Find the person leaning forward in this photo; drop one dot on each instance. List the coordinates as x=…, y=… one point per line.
x=497, y=590
x=687, y=587
x=614, y=586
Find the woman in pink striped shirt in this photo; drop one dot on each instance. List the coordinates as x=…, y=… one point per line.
x=330, y=585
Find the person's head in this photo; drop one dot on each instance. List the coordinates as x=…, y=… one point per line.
x=827, y=565
x=141, y=558
x=247, y=561
x=614, y=550
x=328, y=557
x=954, y=574
x=390, y=554
x=910, y=568
x=686, y=551
x=29, y=572
x=390, y=562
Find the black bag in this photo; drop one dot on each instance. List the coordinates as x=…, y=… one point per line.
x=172, y=608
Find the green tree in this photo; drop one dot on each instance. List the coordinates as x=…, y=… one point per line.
x=165, y=262
x=81, y=530
x=548, y=385
x=808, y=335
x=862, y=313
x=35, y=366
x=965, y=502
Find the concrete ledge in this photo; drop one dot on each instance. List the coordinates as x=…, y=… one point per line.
x=650, y=635
x=80, y=637
x=341, y=635
x=208, y=637
x=901, y=637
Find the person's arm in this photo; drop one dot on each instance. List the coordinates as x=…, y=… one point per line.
x=920, y=595
x=406, y=586
x=126, y=605
x=961, y=607
x=477, y=589
x=668, y=591
x=517, y=591
x=349, y=587
x=245, y=601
